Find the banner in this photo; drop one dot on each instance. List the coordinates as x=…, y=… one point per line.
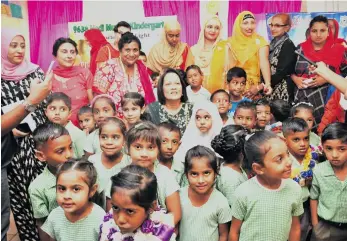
x=149, y=30
x=301, y=21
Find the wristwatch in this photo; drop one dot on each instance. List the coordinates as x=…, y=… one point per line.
x=28, y=106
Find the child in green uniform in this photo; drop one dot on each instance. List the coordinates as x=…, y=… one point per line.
x=267, y=207
x=329, y=187
x=59, y=111
x=53, y=146
x=305, y=111
x=297, y=135
x=205, y=211
x=76, y=218
x=229, y=145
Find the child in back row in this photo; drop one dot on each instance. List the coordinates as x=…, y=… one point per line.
x=195, y=91
x=59, y=111
x=280, y=111
x=267, y=206
x=296, y=132
x=53, y=145
x=205, y=211
x=86, y=119
x=103, y=106
x=229, y=145
x=134, y=214
x=221, y=99
x=133, y=106
x=76, y=215
x=305, y=111
x=245, y=115
x=329, y=187
x=263, y=110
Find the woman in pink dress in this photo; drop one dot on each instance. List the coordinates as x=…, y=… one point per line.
x=74, y=81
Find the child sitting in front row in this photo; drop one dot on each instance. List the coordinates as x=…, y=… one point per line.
x=76, y=218
x=329, y=190
x=53, y=145
x=59, y=111
x=205, y=211
x=86, y=119
x=221, y=99
x=134, y=214
x=267, y=206
x=245, y=115
x=296, y=132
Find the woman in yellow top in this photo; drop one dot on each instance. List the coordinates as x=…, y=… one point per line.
x=170, y=52
x=210, y=35
x=245, y=49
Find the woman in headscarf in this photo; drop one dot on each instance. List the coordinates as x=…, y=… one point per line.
x=170, y=52
x=334, y=27
x=202, y=51
x=127, y=74
x=245, y=49
x=16, y=76
x=319, y=47
x=101, y=49
x=75, y=81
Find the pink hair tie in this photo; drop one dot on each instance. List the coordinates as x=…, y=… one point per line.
x=102, y=96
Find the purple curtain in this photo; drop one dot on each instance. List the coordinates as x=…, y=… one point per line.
x=260, y=7
x=48, y=20
x=188, y=15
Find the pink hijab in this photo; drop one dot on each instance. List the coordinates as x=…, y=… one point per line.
x=9, y=71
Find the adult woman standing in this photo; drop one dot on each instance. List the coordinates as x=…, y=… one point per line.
x=101, y=49
x=17, y=73
x=126, y=74
x=319, y=47
x=202, y=51
x=334, y=27
x=170, y=52
x=245, y=49
x=282, y=58
x=75, y=81
x=172, y=105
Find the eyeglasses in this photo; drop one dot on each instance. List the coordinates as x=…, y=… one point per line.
x=277, y=25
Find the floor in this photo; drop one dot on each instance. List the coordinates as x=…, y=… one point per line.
x=12, y=234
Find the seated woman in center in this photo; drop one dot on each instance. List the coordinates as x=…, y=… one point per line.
x=170, y=52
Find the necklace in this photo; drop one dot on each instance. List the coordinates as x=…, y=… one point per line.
x=300, y=174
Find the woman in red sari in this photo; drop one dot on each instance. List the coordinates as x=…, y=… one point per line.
x=75, y=81
x=101, y=49
x=320, y=46
x=334, y=27
x=125, y=74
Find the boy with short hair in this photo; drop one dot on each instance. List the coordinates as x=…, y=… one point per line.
x=263, y=111
x=59, y=111
x=221, y=99
x=245, y=115
x=86, y=119
x=53, y=145
x=170, y=136
x=297, y=135
x=236, y=83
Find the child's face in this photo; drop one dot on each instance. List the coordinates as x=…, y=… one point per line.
x=194, y=78
x=87, y=122
x=336, y=152
x=298, y=142
x=221, y=100
x=58, y=112
x=170, y=141
x=307, y=116
x=144, y=153
x=237, y=86
x=101, y=110
x=56, y=151
x=111, y=139
x=155, y=82
x=245, y=118
x=201, y=176
x=132, y=112
x=277, y=164
x=127, y=215
x=203, y=121
x=73, y=192
x=263, y=115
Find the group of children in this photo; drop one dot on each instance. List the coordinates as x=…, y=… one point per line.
x=242, y=170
